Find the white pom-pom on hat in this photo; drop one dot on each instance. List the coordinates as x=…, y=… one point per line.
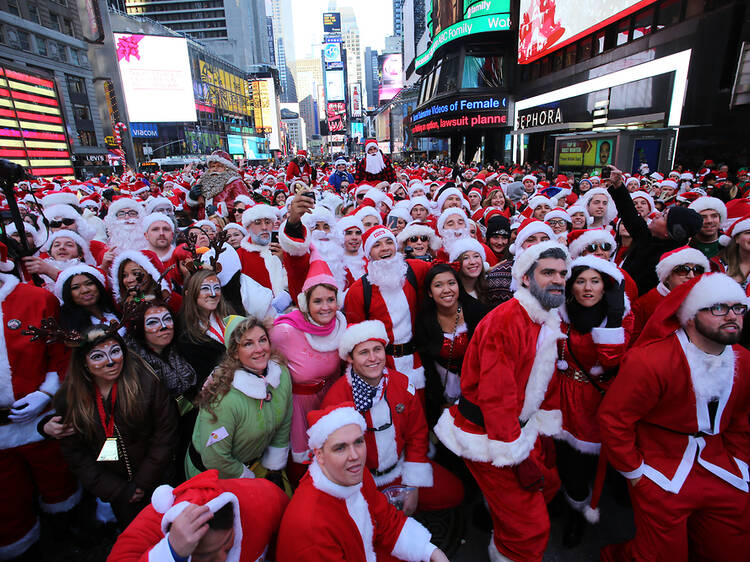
x=163, y=498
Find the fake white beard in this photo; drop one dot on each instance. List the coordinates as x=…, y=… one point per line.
x=332, y=253
x=450, y=237
x=126, y=235
x=63, y=264
x=388, y=274
x=374, y=163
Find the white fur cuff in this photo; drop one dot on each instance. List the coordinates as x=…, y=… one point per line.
x=293, y=247
x=161, y=551
x=637, y=473
x=608, y=336
x=417, y=474
x=275, y=458
x=413, y=542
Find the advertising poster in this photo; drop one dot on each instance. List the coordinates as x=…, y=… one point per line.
x=332, y=53
x=332, y=22
x=265, y=111
x=355, y=99
x=585, y=153
x=646, y=151
x=156, y=78
x=335, y=86
x=391, y=77
x=547, y=25
x=336, y=115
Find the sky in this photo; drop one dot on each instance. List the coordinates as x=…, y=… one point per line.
x=374, y=18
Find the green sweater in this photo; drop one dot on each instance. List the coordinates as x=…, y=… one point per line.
x=243, y=431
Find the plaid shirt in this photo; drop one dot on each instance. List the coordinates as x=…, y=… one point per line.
x=386, y=174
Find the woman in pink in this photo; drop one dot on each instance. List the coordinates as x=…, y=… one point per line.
x=308, y=339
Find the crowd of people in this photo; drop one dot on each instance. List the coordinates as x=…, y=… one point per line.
x=232, y=363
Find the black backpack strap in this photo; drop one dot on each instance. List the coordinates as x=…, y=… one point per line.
x=412, y=278
x=366, y=294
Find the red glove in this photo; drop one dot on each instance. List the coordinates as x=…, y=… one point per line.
x=529, y=475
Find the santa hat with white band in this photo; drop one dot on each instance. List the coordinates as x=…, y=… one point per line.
x=710, y=203
x=376, y=233
x=324, y=422
x=711, y=289
x=680, y=256
x=523, y=263
x=262, y=211
x=356, y=334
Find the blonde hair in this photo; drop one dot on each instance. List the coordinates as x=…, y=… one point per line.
x=192, y=323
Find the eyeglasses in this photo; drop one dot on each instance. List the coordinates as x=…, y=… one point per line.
x=684, y=270
x=723, y=309
x=58, y=224
x=605, y=246
x=164, y=210
x=418, y=238
x=556, y=222
x=127, y=213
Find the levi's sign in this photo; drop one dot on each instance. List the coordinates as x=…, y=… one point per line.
x=496, y=22
x=460, y=105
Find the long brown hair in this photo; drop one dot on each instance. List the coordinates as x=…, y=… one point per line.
x=190, y=314
x=223, y=375
x=732, y=257
x=147, y=286
x=77, y=390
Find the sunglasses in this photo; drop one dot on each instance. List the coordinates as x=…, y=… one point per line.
x=686, y=269
x=419, y=238
x=58, y=224
x=723, y=309
x=591, y=248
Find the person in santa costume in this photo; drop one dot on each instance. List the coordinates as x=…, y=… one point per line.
x=219, y=186
x=390, y=292
x=30, y=373
x=299, y=168
x=674, y=268
x=597, y=323
x=65, y=217
x=205, y=518
x=337, y=513
x=375, y=166
x=158, y=229
x=714, y=213
x=677, y=427
x=397, y=440
x=498, y=422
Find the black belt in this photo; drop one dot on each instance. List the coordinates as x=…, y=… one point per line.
x=696, y=434
x=384, y=471
x=453, y=366
x=473, y=413
x=401, y=349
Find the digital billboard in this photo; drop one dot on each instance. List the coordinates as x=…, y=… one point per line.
x=589, y=153
x=332, y=22
x=391, y=77
x=355, y=100
x=332, y=52
x=234, y=144
x=156, y=78
x=265, y=111
x=547, y=25
x=335, y=85
x=336, y=115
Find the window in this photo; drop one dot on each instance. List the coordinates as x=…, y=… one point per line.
x=54, y=21
x=448, y=81
x=81, y=112
x=13, y=7
x=623, y=32
x=56, y=51
x=74, y=56
x=570, y=55
x=68, y=28
x=557, y=61
x=598, y=47
x=19, y=39
x=642, y=23
x=76, y=85
x=34, y=14
x=482, y=72
x=584, y=49
x=87, y=138
x=669, y=13
x=41, y=46
x=83, y=58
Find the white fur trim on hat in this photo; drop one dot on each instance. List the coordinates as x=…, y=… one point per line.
x=558, y=214
x=466, y=245
x=537, y=200
x=399, y=212
x=148, y=220
x=688, y=255
x=67, y=212
x=643, y=195
x=611, y=213
x=448, y=213
x=712, y=203
x=362, y=332
x=368, y=211
x=347, y=222
x=600, y=265
x=447, y=193
x=319, y=213
x=522, y=263
x=261, y=211
x=75, y=237
x=236, y=226
x=222, y=161
x=573, y=209
x=589, y=237
x=137, y=257
x=711, y=289
x=59, y=198
x=338, y=418
x=535, y=227
x=530, y=177
x=154, y=202
x=69, y=272
x=124, y=203
x=244, y=199
x=374, y=237
x=416, y=229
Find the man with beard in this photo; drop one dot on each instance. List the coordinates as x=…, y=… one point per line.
x=258, y=254
x=219, y=186
x=158, y=229
x=452, y=226
x=375, y=166
x=124, y=229
x=499, y=419
x=675, y=424
x=300, y=168
x=390, y=292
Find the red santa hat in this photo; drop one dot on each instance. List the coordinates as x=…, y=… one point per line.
x=148, y=220
x=222, y=158
x=449, y=212
x=711, y=289
x=61, y=197
x=348, y=222
x=155, y=202
x=530, y=177
x=611, y=208
x=736, y=227
x=374, y=234
x=528, y=228
x=322, y=423
x=368, y=211
x=121, y=203
x=467, y=245
x=251, y=501
x=369, y=143
x=447, y=193
x=257, y=212
x=537, y=200
x=710, y=203
x=318, y=274
x=558, y=213
x=680, y=256
x=75, y=237
x=78, y=269
x=416, y=228
x=602, y=266
x=146, y=260
x=522, y=263
x=356, y=334
x=668, y=183
x=643, y=195
x=579, y=239
x=6, y=265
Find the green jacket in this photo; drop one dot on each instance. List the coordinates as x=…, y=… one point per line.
x=243, y=431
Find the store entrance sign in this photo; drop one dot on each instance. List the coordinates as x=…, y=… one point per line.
x=540, y=117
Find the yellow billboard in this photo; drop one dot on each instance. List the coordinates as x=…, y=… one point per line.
x=224, y=90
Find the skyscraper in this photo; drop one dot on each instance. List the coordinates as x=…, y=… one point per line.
x=371, y=77
x=398, y=22
x=350, y=41
x=236, y=31
x=283, y=33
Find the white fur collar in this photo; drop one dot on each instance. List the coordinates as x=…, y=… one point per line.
x=9, y=282
x=250, y=247
x=324, y=484
x=254, y=386
x=535, y=310
x=276, y=271
x=331, y=341
x=662, y=289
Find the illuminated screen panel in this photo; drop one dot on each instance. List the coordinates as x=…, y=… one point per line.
x=156, y=78
x=32, y=131
x=547, y=25
x=391, y=77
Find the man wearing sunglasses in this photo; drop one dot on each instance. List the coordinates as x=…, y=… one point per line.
x=675, y=424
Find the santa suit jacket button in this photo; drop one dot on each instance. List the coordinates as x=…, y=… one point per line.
x=399, y=408
x=14, y=324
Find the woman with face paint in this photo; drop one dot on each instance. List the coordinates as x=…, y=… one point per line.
x=124, y=425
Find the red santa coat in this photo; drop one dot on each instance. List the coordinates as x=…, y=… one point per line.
x=258, y=507
x=261, y=265
x=644, y=307
x=293, y=170
x=400, y=450
x=327, y=521
x=396, y=309
x=651, y=418
x=597, y=351
x=224, y=201
x=25, y=366
x=507, y=368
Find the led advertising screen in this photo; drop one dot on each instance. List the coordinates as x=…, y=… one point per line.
x=156, y=78
x=332, y=22
x=391, y=77
x=332, y=52
x=234, y=143
x=547, y=25
x=589, y=153
x=336, y=114
x=335, y=86
x=265, y=110
x=355, y=100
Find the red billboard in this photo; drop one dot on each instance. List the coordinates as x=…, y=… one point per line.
x=336, y=114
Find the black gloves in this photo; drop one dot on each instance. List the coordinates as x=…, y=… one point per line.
x=614, y=298
x=195, y=192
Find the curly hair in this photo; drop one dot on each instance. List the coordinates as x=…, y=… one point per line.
x=223, y=375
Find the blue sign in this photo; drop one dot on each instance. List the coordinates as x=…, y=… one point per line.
x=234, y=143
x=144, y=130
x=334, y=66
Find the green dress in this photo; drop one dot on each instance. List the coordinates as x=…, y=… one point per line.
x=247, y=428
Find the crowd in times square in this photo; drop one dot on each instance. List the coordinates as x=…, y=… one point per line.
x=302, y=361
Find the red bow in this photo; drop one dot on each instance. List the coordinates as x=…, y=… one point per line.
x=454, y=265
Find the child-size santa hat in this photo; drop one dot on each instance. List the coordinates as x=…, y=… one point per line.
x=356, y=334
x=528, y=228
x=318, y=274
x=680, y=256
x=579, y=239
x=257, y=212
x=710, y=203
x=522, y=263
x=322, y=423
x=417, y=228
x=373, y=235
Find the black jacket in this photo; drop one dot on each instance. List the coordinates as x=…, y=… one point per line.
x=645, y=249
x=428, y=336
x=203, y=357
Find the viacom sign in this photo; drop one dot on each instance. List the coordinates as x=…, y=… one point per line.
x=494, y=22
